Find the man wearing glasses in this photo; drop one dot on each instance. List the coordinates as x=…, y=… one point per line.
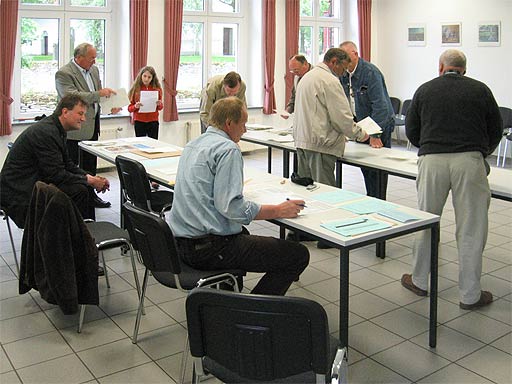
x=299, y=66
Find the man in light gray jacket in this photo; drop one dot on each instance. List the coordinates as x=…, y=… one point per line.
x=80, y=76
x=323, y=118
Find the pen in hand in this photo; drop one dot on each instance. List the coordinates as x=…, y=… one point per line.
x=300, y=205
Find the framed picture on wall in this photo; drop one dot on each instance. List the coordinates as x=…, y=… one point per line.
x=489, y=33
x=451, y=34
x=416, y=35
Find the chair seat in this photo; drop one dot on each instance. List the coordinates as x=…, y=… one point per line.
x=159, y=199
x=189, y=277
x=226, y=375
x=103, y=231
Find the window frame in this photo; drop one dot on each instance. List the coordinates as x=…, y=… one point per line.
x=64, y=13
x=317, y=22
x=207, y=17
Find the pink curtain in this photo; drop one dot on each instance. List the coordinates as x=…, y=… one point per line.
x=139, y=35
x=173, y=19
x=269, y=54
x=292, y=40
x=8, y=29
x=364, y=12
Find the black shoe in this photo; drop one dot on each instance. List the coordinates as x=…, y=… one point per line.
x=293, y=236
x=101, y=271
x=100, y=203
x=323, y=245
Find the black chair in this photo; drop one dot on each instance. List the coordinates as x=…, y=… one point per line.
x=7, y=222
x=395, y=103
x=246, y=338
x=506, y=115
x=153, y=239
x=136, y=189
x=6, y=218
x=400, y=120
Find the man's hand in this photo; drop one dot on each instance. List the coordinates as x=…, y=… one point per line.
x=106, y=92
x=376, y=142
x=366, y=137
x=290, y=208
x=100, y=184
x=115, y=110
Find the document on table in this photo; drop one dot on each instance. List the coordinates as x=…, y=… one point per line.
x=277, y=196
x=368, y=205
x=148, y=101
x=257, y=127
x=119, y=100
x=336, y=197
x=369, y=125
x=355, y=226
x=397, y=215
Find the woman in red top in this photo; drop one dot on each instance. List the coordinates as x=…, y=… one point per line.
x=146, y=122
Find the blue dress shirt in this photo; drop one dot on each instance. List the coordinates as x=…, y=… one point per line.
x=208, y=195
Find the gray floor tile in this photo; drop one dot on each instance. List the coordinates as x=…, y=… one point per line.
x=368, y=306
x=451, y=345
x=368, y=371
x=24, y=326
x=93, y=334
x=9, y=378
x=454, y=374
x=153, y=319
x=410, y=360
x=146, y=373
x=113, y=357
x=163, y=341
x=5, y=364
x=369, y=338
x=66, y=370
x=490, y=363
x=504, y=343
x=37, y=349
x=17, y=306
x=367, y=279
x=479, y=327
x=403, y=322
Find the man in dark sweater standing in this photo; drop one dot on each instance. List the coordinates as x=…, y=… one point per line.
x=456, y=123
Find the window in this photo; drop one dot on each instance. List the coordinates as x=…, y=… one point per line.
x=320, y=28
x=48, y=32
x=209, y=45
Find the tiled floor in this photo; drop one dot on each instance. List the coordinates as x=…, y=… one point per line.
x=388, y=324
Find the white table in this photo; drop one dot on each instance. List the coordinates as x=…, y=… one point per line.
x=392, y=161
x=308, y=223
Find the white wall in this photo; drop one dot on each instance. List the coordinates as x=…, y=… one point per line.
x=405, y=68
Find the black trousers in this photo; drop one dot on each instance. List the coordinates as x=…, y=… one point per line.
x=282, y=261
x=149, y=129
x=371, y=175
x=82, y=196
x=89, y=161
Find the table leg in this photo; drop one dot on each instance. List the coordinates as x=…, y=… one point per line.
x=343, y=320
x=338, y=171
x=295, y=162
x=269, y=160
x=286, y=163
x=380, y=247
x=434, y=248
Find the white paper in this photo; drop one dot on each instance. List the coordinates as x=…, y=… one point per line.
x=119, y=100
x=369, y=125
x=148, y=101
x=257, y=127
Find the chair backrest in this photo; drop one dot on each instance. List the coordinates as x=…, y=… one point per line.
x=153, y=238
x=134, y=182
x=251, y=338
x=506, y=115
x=405, y=106
x=395, y=102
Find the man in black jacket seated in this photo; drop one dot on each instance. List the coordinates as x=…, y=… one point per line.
x=40, y=154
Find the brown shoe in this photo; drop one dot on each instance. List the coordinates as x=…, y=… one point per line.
x=485, y=299
x=407, y=283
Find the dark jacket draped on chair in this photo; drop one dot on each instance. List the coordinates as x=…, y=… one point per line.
x=58, y=256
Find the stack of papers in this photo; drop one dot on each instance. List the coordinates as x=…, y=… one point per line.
x=369, y=125
x=368, y=205
x=257, y=127
x=355, y=226
x=337, y=197
x=397, y=215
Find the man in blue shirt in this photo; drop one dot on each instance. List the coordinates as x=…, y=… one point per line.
x=366, y=91
x=209, y=209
